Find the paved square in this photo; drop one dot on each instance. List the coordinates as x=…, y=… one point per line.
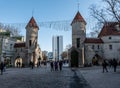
x=43, y=78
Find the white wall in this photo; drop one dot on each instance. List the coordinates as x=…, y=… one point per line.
x=115, y=51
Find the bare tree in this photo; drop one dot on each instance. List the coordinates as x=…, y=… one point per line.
x=14, y=31
x=109, y=12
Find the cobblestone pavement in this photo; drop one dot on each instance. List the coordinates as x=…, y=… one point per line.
x=97, y=79
x=42, y=78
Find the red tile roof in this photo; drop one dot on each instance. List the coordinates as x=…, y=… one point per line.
x=79, y=18
x=32, y=23
x=93, y=40
x=109, y=28
x=19, y=45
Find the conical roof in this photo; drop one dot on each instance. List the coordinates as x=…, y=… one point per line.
x=79, y=18
x=32, y=23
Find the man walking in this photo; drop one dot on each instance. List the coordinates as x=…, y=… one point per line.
x=114, y=63
x=104, y=65
x=52, y=66
x=60, y=65
x=2, y=67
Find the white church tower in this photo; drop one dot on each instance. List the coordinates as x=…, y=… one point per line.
x=31, y=40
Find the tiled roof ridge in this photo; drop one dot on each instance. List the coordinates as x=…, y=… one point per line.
x=78, y=17
x=93, y=40
x=19, y=44
x=32, y=23
x=109, y=28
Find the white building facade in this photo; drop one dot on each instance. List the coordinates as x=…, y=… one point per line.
x=57, y=47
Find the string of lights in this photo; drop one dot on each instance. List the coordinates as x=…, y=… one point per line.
x=63, y=25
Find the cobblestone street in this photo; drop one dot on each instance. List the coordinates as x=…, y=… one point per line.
x=42, y=78
x=90, y=77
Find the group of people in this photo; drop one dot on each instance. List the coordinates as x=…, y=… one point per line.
x=112, y=63
x=18, y=64
x=55, y=66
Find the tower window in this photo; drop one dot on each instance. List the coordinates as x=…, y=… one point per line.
x=110, y=47
x=78, y=42
x=10, y=46
x=30, y=42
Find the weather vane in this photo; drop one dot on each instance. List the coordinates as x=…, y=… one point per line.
x=32, y=12
x=78, y=4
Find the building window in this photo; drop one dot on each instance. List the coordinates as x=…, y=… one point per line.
x=110, y=47
x=30, y=42
x=93, y=46
x=78, y=42
x=11, y=46
x=98, y=47
x=110, y=37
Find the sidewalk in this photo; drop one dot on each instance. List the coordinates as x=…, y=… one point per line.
x=97, y=79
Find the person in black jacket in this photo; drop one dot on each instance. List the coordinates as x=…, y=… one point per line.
x=104, y=65
x=60, y=65
x=1, y=67
x=114, y=63
x=52, y=66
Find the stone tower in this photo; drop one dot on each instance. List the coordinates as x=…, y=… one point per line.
x=31, y=40
x=78, y=31
x=78, y=36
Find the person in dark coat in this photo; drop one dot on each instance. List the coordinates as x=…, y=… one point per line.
x=114, y=63
x=32, y=64
x=52, y=66
x=56, y=66
x=60, y=65
x=2, y=67
x=104, y=65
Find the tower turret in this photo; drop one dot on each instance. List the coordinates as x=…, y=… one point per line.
x=76, y=53
x=78, y=30
x=32, y=39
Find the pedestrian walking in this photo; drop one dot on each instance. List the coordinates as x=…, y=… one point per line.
x=32, y=65
x=110, y=63
x=52, y=66
x=114, y=63
x=38, y=64
x=4, y=67
x=60, y=65
x=104, y=65
x=1, y=67
x=17, y=64
x=56, y=66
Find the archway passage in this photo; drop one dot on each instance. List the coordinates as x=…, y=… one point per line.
x=74, y=58
x=97, y=60
x=18, y=62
